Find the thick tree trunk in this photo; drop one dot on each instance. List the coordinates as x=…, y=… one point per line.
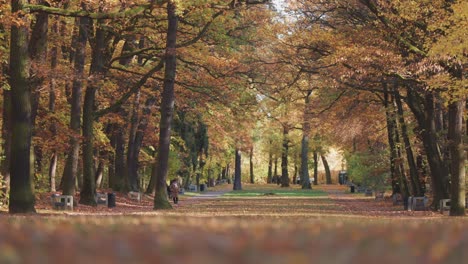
x=237, y=172
x=100, y=55
x=423, y=109
x=327, y=169
x=88, y=192
x=414, y=178
x=167, y=110
x=284, y=158
x=21, y=194
x=458, y=158
x=70, y=172
x=252, y=177
x=38, y=55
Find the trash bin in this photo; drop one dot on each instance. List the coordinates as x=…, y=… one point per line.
x=352, y=188
x=202, y=187
x=110, y=200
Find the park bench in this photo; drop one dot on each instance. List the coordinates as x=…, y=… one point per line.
x=417, y=203
x=62, y=202
x=368, y=192
x=192, y=188
x=361, y=189
x=135, y=196
x=101, y=199
x=397, y=199
x=444, y=205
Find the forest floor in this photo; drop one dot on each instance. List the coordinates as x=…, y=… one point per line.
x=262, y=224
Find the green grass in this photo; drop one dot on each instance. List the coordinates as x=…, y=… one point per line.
x=276, y=192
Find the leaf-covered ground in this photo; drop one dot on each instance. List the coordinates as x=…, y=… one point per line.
x=269, y=227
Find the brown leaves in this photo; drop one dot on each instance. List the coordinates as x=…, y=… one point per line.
x=342, y=228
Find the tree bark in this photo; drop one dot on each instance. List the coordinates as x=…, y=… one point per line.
x=398, y=182
x=414, y=178
x=305, y=177
x=270, y=163
x=423, y=109
x=327, y=169
x=21, y=194
x=237, y=172
x=284, y=158
x=6, y=142
x=131, y=166
x=167, y=110
x=70, y=171
x=315, y=167
x=458, y=158
x=252, y=178
x=52, y=101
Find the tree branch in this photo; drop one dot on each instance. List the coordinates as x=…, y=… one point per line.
x=82, y=13
x=129, y=93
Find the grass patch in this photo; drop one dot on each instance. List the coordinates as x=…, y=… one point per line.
x=276, y=192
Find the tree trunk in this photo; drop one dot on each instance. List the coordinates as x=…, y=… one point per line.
x=97, y=72
x=150, y=190
x=423, y=109
x=305, y=177
x=140, y=135
x=252, y=178
x=88, y=192
x=119, y=179
x=327, y=170
x=270, y=164
x=237, y=172
x=167, y=110
x=52, y=99
x=52, y=171
x=395, y=174
x=458, y=158
x=99, y=174
x=414, y=179
x=38, y=54
x=284, y=158
x=6, y=142
x=21, y=194
x=70, y=172
x=315, y=167
x=131, y=166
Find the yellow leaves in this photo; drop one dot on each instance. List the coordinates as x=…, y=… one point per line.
x=454, y=41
